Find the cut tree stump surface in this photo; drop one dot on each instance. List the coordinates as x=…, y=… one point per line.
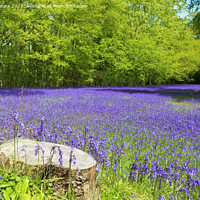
x=83, y=160
x=83, y=174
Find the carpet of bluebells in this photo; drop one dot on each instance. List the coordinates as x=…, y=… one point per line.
x=148, y=137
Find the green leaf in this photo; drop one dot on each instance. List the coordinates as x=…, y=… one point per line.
x=15, y=177
x=25, y=197
x=13, y=196
x=6, y=184
x=40, y=197
x=6, y=195
x=24, y=186
x=9, y=190
x=18, y=187
x=38, y=180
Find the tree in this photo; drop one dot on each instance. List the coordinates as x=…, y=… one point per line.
x=105, y=42
x=194, y=4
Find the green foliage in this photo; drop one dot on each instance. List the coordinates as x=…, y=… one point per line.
x=194, y=4
x=101, y=43
x=196, y=25
x=14, y=187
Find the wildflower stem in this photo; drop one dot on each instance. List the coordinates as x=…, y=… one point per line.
x=69, y=174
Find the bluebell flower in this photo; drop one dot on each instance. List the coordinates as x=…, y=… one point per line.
x=86, y=128
x=1, y=196
x=60, y=158
x=176, y=175
x=197, y=183
x=37, y=149
x=184, y=189
x=146, y=159
x=16, y=116
x=133, y=194
x=74, y=159
x=171, y=198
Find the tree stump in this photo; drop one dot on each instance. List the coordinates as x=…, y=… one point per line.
x=45, y=159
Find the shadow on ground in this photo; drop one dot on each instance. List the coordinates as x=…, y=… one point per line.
x=16, y=91
x=178, y=92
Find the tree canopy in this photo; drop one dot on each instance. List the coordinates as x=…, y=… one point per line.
x=95, y=43
x=194, y=4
